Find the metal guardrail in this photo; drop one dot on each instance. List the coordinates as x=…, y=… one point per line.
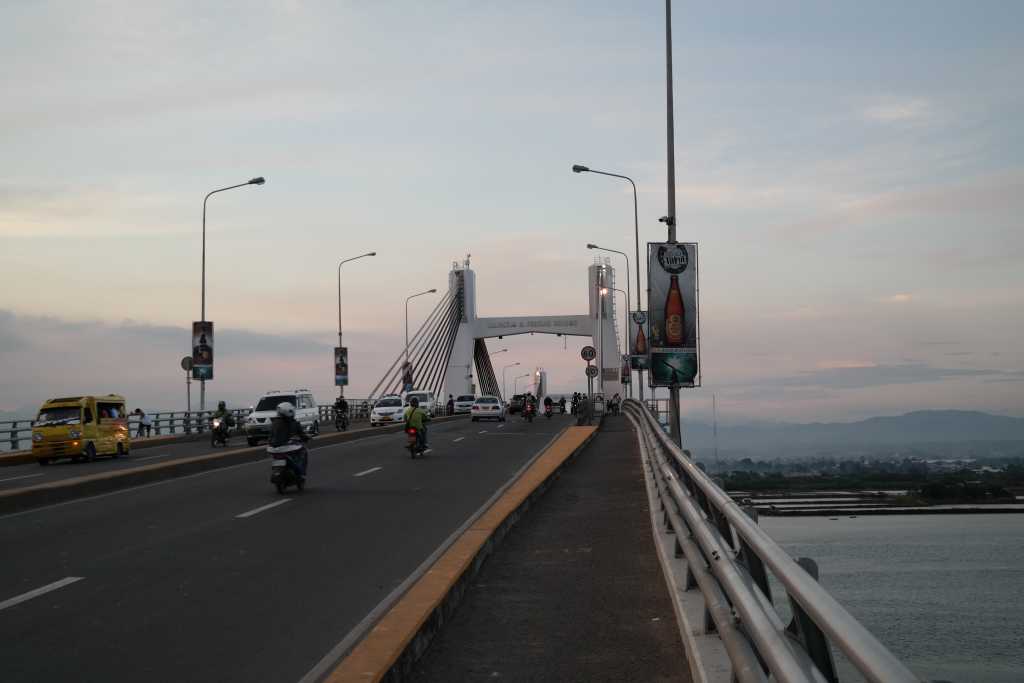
x=729, y=558
x=17, y=434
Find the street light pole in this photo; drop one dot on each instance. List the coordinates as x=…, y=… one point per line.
x=413, y=296
x=341, y=389
x=675, y=428
x=504, y=384
x=578, y=168
x=515, y=384
x=202, y=317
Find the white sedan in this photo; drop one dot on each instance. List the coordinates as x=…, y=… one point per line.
x=488, y=408
x=388, y=410
x=464, y=404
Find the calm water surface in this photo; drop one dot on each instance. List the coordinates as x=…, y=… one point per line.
x=945, y=593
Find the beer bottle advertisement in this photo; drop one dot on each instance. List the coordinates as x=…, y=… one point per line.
x=672, y=327
x=638, y=340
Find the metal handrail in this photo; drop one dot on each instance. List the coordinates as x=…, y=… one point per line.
x=717, y=525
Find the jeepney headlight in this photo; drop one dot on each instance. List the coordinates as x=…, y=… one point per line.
x=74, y=433
x=36, y=436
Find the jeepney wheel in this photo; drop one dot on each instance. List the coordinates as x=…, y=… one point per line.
x=120, y=450
x=43, y=462
x=251, y=441
x=90, y=453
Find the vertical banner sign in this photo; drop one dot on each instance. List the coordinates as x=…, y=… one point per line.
x=638, y=346
x=406, y=376
x=202, y=350
x=341, y=366
x=672, y=331
x=627, y=376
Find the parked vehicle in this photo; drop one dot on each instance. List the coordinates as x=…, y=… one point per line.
x=464, y=404
x=257, y=425
x=288, y=465
x=488, y=408
x=387, y=410
x=516, y=404
x=427, y=401
x=80, y=428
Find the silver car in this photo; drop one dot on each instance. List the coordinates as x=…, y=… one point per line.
x=488, y=408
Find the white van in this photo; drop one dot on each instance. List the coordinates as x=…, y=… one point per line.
x=257, y=425
x=426, y=399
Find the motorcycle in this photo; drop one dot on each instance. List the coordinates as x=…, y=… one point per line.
x=220, y=432
x=413, y=443
x=548, y=410
x=288, y=465
x=528, y=411
x=340, y=421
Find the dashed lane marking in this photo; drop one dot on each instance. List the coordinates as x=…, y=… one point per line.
x=458, y=439
x=365, y=472
x=24, y=476
x=18, y=599
x=263, y=508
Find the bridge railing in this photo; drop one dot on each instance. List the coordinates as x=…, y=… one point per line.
x=17, y=434
x=729, y=558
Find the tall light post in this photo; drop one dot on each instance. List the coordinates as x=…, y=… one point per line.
x=675, y=428
x=504, y=384
x=628, y=298
x=341, y=389
x=515, y=384
x=408, y=299
x=495, y=353
x=579, y=168
x=202, y=317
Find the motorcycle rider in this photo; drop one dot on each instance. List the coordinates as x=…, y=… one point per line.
x=341, y=408
x=417, y=418
x=227, y=420
x=548, y=403
x=283, y=429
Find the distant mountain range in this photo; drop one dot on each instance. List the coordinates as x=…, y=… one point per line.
x=920, y=427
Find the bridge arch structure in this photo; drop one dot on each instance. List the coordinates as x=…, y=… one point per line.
x=452, y=341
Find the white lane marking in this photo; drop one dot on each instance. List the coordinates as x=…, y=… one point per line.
x=483, y=431
x=458, y=439
x=500, y=426
x=262, y=508
x=365, y=472
x=24, y=476
x=66, y=581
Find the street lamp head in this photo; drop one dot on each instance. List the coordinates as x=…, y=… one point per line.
x=577, y=168
x=431, y=291
x=593, y=246
x=372, y=253
x=604, y=290
x=257, y=181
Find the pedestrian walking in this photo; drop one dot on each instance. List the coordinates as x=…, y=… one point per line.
x=145, y=423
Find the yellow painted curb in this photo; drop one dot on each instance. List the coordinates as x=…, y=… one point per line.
x=374, y=656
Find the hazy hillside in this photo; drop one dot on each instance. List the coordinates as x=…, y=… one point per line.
x=926, y=426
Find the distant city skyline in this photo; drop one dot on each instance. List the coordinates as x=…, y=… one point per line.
x=853, y=174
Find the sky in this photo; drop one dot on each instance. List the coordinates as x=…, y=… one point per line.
x=853, y=172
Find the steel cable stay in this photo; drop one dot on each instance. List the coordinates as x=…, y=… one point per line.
x=396, y=369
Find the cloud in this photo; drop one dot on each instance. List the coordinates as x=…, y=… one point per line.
x=857, y=376
x=898, y=111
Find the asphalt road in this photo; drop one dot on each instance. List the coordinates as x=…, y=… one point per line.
x=20, y=476
x=200, y=578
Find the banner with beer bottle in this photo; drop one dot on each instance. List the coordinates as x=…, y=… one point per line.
x=672, y=325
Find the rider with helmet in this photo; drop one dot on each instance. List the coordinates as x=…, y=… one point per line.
x=283, y=429
x=417, y=418
x=224, y=414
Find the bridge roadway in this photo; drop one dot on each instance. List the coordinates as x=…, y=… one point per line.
x=178, y=584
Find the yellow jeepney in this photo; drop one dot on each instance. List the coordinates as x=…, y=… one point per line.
x=81, y=427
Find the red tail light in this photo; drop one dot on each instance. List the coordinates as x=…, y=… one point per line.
x=411, y=432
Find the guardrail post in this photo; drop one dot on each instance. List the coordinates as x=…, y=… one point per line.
x=806, y=632
x=15, y=444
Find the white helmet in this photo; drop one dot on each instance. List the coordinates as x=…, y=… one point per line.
x=285, y=409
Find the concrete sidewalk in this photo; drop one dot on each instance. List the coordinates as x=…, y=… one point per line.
x=575, y=592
